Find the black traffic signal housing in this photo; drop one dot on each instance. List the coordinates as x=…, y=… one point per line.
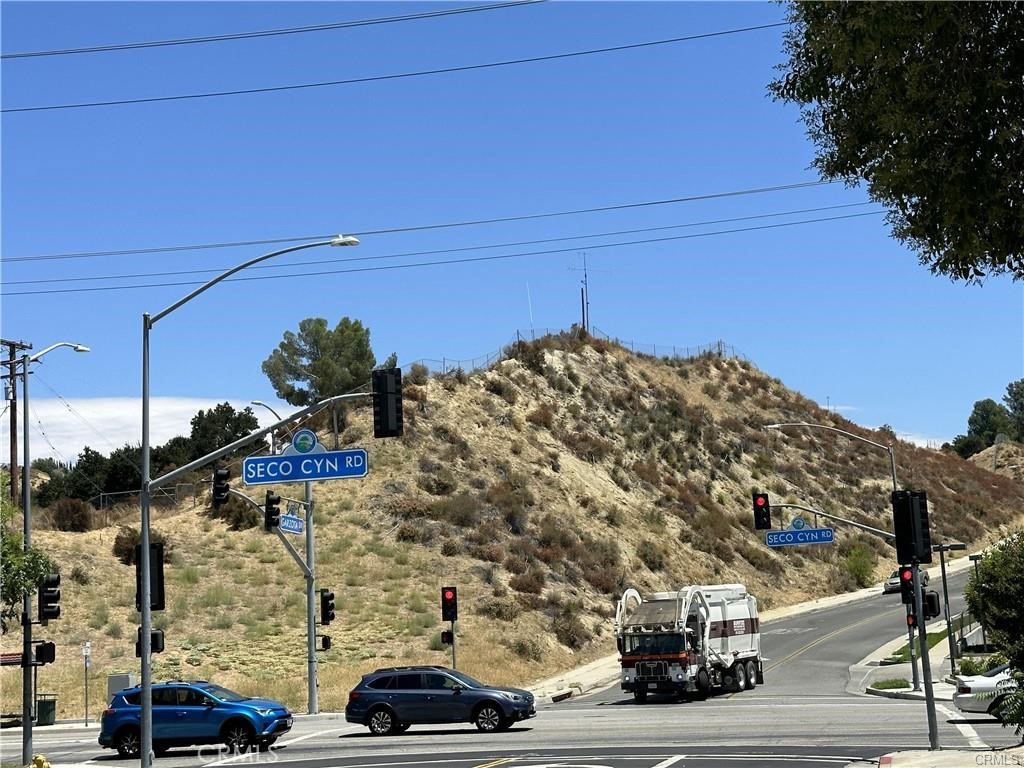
x=156, y=642
x=49, y=597
x=156, y=576
x=447, y=637
x=220, y=486
x=449, y=604
x=907, y=584
x=910, y=525
x=46, y=653
x=325, y=641
x=387, y=402
x=327, y=612
x=912, y=619
x=271, y=511
x=762, y=512
x=931, y=605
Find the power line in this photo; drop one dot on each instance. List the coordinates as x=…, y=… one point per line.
x=441, y=262
x=408, y=254
x=426, y=227
x=265, y=33
x=398, y=76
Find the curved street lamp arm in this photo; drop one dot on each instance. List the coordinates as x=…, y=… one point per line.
x=887, y=448
x=339, y=240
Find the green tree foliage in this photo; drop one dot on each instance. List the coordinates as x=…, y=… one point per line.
x=1014, y=401
x=220, y=426
x=317, y=363
x=996, y=596
x=124, y=470
x=20, y=571
x=923, y=101
x=988, y=419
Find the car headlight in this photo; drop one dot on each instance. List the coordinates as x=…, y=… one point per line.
x=511, y=696
x=265, y=712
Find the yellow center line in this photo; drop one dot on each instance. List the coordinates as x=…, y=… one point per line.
x=500, y=761
x=821, y=639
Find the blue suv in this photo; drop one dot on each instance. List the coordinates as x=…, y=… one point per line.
x=193, y=712
x=389, y=700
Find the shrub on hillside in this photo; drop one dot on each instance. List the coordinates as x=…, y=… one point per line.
x=569, y=630
x=237, y=514
x=653, y=554
x=72, y=515
x=531, y=582
x=417, y=374
x=127, y=540
x=440, y=484
x=462, y=510
x=542, y=416
x=503, y=388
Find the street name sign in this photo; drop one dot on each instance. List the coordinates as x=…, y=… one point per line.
x=292, y=524
x=267, y=470
x=792, y=538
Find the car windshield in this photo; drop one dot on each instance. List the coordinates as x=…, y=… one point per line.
x=996, y=670
x=224, y=694
x=463, y=677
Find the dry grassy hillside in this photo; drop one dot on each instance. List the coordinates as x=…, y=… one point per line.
x=541, y=488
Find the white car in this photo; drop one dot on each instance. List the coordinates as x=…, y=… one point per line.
x=984, y=693
x=892, y=584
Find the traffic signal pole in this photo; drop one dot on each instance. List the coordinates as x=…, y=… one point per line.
x=311, y=681
x=926, y=666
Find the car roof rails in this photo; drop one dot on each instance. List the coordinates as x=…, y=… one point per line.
x=410, y=668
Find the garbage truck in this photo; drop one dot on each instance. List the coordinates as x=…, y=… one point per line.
x=700, y=640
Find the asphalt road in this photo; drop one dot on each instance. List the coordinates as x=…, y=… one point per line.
x=803, y=715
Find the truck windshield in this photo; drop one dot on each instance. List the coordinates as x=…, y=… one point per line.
x=638, y=644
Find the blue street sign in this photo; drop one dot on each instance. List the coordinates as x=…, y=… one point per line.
x=295, y=468
x=791, y=538
x=292, y=524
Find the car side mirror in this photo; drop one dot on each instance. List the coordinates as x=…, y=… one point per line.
x=456, y=689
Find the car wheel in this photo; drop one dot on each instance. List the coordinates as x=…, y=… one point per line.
x=739, y=676
x=238, y=737
x=996, y=709
x=127, y=742
x=751, y=675
x=488, y=718
x=382, y=722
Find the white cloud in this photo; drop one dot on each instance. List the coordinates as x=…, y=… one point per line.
x=60, y=429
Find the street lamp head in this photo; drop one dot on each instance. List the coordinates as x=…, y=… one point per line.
x=342, y=240
x=77, y=347
x=81, y=348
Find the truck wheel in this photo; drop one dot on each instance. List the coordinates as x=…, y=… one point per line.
x=640, y=695
x=703, y=685
x=751, y=675
x=739, y=676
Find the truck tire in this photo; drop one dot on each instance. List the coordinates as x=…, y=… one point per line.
x=703, y=685
x=640, y=696
x=751, y=675
x=739, y=676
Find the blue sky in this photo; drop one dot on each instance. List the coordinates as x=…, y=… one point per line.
x=836, y=309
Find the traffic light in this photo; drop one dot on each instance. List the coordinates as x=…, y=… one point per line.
x=912, y=620
x=387, y=402
x=271, y=511
x=326, y=642
x=49, y=597
x=327, y=613
x=156, y=576
x=931, y=605
x=46, y=653
x=447, y=637
x=156, y=642
x=449, y=604
x=220, y=486
x=762, y=512
x=907, y=584
x=910, y=525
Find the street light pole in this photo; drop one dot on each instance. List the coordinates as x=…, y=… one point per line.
x=942, y=549
x=26, y=506
x=273, y=435
x=981, y=619
x=148, y=321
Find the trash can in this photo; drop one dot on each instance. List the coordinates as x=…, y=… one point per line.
x=46, y=709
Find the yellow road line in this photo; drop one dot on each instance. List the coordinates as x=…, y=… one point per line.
x=821, y=639
x=500, y=761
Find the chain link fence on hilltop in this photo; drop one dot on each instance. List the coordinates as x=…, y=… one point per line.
x=448, y=365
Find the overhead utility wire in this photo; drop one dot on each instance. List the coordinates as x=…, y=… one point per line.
x=398, y=76
x=441, y=262
x=47, y=281
x=265, y=33
x=425, y=227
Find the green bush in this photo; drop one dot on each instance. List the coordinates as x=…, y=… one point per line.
x=653, y=554
x=72, y=515
x=127, y=539
x=860, y=564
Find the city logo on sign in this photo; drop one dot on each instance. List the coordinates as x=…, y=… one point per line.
x=304, y=460
x=305, y=441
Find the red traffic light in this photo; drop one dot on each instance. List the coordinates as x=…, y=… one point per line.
x=907, y=574
x=759, y=500
x=449, y=594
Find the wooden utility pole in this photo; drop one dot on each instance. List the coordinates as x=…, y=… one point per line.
x=13, y=347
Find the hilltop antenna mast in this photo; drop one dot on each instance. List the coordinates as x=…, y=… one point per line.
x=584, y=295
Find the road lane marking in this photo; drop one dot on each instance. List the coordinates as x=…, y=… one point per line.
x=965, y=730
x=670, y=761
x=499, y=761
